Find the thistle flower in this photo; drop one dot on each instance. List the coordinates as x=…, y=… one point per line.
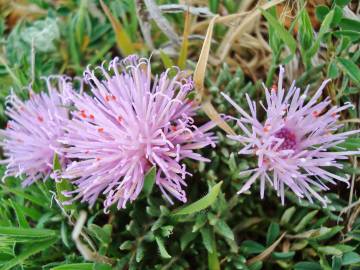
x=131, y=124
x=293, y=146
x=30, y=138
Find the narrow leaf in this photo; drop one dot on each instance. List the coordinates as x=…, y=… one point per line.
x=185, y=42
x=201, y=204
x=122, y=39
x=162, y=249
x=281, y=31
x=351, y=69
x=149, y=180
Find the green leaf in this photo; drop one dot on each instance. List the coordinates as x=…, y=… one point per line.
x=19, y=214
x=351, y=69
x=307, y=266
x=337, y=16
x=306, y=220
x=62, y=185
x=102, y=234
x=285, y=36
x=127, y=245
x=207, y=239
x=329, y=250
x=325, y=26
x=283, y=255
x=24, y=234
x=201, y=204
x=272, y=233
x=168, y=63
x=29, y=251
x=224, y=229
x=251, y=247
x=332, y=71
x=325, y=233
x=149, y=181
x=349, y=24
x=102, y=266
x=187, y=237
x=73, y=266
x=163, y=252
x=287, y=215
x=213, y=259
x=342, y=3
x=336, y=263
x=351, y=144
x=321, y=12
x=350, y=258
x=305, y=30
x=139, y=253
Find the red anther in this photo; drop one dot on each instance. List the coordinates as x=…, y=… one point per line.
x=40, y=118
x=315, y=113
x=274, y=87
x=267, y=128
x=91, y=116
x=119, y=118
x=173, y=128
x=101, y=129
x=113, y=97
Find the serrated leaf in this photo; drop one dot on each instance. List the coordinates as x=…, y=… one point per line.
x=201, y=204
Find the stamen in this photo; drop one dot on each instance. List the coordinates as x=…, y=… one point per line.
x=289, y=139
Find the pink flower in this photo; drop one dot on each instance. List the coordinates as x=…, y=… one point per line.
x=130, y=124
x=293, y=146
x=30, y=138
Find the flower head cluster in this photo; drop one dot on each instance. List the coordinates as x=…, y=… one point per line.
x=129, y=124
x=31, y=137
x=293, y=145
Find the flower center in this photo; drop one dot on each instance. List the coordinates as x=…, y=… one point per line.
x=289, y=139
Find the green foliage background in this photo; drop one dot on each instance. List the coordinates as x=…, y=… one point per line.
x=222, y=230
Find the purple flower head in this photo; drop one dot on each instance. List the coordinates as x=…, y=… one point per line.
x=293, y=145
x=30, y=138
x=130, y=124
